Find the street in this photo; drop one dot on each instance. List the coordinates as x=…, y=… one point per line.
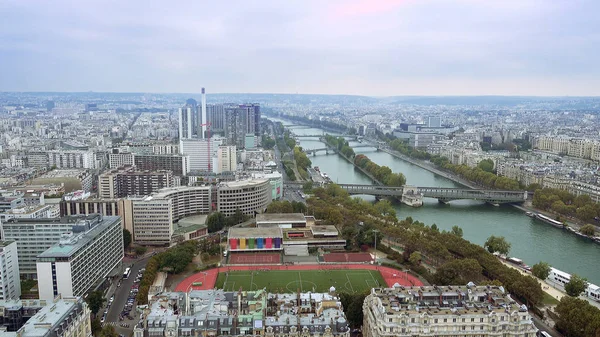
x=121, y=294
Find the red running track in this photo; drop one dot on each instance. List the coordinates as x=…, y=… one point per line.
x=209, y=277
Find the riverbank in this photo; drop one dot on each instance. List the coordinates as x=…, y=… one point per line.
x=363, y=171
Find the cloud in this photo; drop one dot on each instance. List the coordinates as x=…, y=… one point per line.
x=372, y=47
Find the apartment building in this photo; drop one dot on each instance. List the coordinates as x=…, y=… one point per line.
x=226, y=159
x=82, y=258
x=445, y=311
x=71, y=159
x=178, y=164
x=10, y=283
x=61, y=316
x=237, y=313
x=125, y=181
x=118, y=159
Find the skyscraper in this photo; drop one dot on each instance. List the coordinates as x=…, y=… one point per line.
x=185, y=122
x=240, y=121
x=203, y=122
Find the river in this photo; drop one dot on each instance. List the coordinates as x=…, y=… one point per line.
x=531, y=240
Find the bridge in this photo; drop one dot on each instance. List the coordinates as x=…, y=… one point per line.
x=327, y=150
x=443, y=194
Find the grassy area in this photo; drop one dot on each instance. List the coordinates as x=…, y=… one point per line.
x=549, y=300
x=351, y=281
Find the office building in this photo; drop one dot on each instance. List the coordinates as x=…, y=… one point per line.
x=250, y=196
x=239, y=121
x=185, y=122
x=153, y=217
x=178, y=164
x=215, y=113
x=10, y=282
x=125, y=181
x=243, y=313
x=37, y=159
x=226, y=159
x=34, y=236
x=201, y=153
x=82, y=258
x=445, y=311
x=59, y=317
x=203, y=121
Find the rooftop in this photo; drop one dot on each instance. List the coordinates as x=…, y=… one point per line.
x=242, y=183
x=255, y=233
x=71, y=173
x=280, y=217
x=51, y=317
x=67, y=219
x=70, y=243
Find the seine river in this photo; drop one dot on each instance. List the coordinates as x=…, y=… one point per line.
x=531, y=240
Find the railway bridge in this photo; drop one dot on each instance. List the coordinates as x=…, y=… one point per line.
x=413, y=195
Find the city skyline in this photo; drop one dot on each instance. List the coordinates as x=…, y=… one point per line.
x=383, y=48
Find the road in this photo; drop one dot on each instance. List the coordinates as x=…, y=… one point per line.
x=121, y=294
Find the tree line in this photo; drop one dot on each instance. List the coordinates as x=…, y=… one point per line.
x=477, y=174
x=173, y=261
x=564, y=203
x=341, y=144
x=382, y=173
x=302, y=162
x=448, y=252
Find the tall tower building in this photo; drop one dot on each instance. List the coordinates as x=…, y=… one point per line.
x=192, y=103
x=204, y=120
x=185, y=122
x=10, y=283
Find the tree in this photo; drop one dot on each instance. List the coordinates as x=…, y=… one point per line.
x=457, y=231
x=107, y=331
x=541, y=270
x=589, y=230
x=307, y=187
x=126, y=238
x=415, y=258
x=486, y=165
x=497, y=244
x=215, y=222
x=140, y=250
x=576, y=285
x=95, y=300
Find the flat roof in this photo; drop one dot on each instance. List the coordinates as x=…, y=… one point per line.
x=280, y=217
x=70, y=246
x=241, y=183
x=255, y=233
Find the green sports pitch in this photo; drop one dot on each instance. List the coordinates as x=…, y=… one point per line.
x=283, y=281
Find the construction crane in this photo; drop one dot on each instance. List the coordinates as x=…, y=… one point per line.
x=208, y=138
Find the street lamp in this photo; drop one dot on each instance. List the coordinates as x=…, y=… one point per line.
x=375, y=231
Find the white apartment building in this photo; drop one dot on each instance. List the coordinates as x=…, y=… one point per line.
x=64, y=317
x=226, y=158
x=72, y=159
x=445, y=311
x=10, y=282
x=82, y=258
x=154, y=216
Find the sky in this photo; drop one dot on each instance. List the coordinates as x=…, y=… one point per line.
x=366, y=47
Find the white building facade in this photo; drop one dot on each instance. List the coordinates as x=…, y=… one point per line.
x=10, y=282
x=81, y=259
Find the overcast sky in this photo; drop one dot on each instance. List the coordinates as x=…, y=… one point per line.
x=369, y=47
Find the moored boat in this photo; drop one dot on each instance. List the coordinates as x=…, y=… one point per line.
x=548, y=220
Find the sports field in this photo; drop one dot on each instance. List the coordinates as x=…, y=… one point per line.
x=347, y=280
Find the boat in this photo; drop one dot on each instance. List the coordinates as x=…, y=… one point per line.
x=515, y=260
x=548, y=220
x=530, y=214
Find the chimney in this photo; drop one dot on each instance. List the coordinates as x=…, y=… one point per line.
x=204, y=121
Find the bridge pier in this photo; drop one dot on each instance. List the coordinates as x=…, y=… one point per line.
x=443, y=201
